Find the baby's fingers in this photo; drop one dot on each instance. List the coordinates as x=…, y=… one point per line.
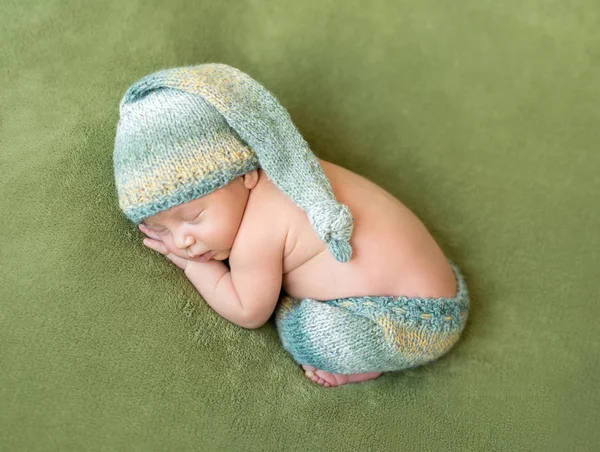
x=149, y=232
x=156, y=246
x=162, y=249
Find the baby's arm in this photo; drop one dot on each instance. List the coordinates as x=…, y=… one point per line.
x=248, y=293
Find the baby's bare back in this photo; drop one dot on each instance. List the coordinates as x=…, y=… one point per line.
x=393, y=253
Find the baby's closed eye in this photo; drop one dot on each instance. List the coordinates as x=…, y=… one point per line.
x=194, y=218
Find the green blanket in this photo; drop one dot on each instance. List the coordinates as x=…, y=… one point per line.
x=482, y=117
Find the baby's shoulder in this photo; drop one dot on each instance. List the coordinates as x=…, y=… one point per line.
x=272, y=219
x=267, y=202
x=267, y=212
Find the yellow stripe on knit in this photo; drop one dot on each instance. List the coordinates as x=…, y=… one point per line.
x=142, y=187
x=416, y=344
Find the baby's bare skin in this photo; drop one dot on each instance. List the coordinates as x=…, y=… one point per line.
x=393, y=253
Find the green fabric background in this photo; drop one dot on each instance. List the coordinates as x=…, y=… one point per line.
x=481, y=116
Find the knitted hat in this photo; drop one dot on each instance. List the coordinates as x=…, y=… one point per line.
x=185, y=132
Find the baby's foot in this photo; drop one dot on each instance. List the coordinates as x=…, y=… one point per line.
x=328, y=379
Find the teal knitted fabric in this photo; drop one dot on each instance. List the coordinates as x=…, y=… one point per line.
x=184, y=132
x=371, y=334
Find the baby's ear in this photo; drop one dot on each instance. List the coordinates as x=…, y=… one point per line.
x=250, y=179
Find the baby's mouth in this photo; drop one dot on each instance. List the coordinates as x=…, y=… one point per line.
x=202, y=257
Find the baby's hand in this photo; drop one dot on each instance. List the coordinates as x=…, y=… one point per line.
x=155, y=243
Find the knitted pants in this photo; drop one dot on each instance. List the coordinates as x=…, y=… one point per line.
x=367, y=334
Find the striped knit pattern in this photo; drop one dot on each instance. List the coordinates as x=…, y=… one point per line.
x=185, y=132
x=369, y=334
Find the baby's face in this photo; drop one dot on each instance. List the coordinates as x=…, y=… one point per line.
x=206, y=224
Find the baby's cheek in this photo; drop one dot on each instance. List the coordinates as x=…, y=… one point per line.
x=221, y=255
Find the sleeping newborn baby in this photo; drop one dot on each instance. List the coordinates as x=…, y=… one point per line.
x=210, y=166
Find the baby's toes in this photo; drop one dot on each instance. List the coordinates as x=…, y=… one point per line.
x=323, y=383
x=309, y=371
x=327, y=377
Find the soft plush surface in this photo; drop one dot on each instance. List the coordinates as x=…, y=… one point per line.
x=482, y=117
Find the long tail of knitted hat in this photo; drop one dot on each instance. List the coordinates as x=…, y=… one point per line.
x=184, y=121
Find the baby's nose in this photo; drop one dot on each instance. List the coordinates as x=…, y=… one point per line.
x=185, y=243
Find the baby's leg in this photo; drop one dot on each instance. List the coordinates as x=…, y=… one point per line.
x=355, y=339
x=327, y=341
